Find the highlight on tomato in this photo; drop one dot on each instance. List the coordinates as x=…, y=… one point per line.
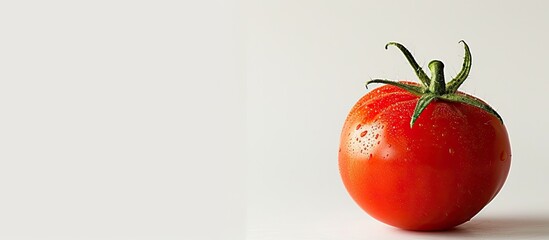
x=423, y=156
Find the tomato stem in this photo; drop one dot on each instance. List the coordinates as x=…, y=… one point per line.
x=464, y=73
x=438, y=86
x=420, y=106
x=425, y=81
x=417, y=90
x=435, y=87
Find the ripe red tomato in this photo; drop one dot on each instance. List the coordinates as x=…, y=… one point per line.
x=430, y=173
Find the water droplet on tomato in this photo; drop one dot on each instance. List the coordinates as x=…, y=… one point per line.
x=362, y=134
x=451, y=151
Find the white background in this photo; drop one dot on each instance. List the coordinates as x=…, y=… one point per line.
x=307, y=62
x=122, y=120
x=221, y=119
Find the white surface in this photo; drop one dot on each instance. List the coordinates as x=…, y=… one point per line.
x=306, y=65
x=318, y=224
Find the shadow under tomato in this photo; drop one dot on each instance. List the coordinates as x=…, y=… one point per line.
x=511, y=227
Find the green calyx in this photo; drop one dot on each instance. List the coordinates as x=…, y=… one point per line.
x=435, y=87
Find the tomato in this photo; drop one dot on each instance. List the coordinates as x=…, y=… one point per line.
x=421, y=164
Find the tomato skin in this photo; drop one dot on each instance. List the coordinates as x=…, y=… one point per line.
x=433, y=176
